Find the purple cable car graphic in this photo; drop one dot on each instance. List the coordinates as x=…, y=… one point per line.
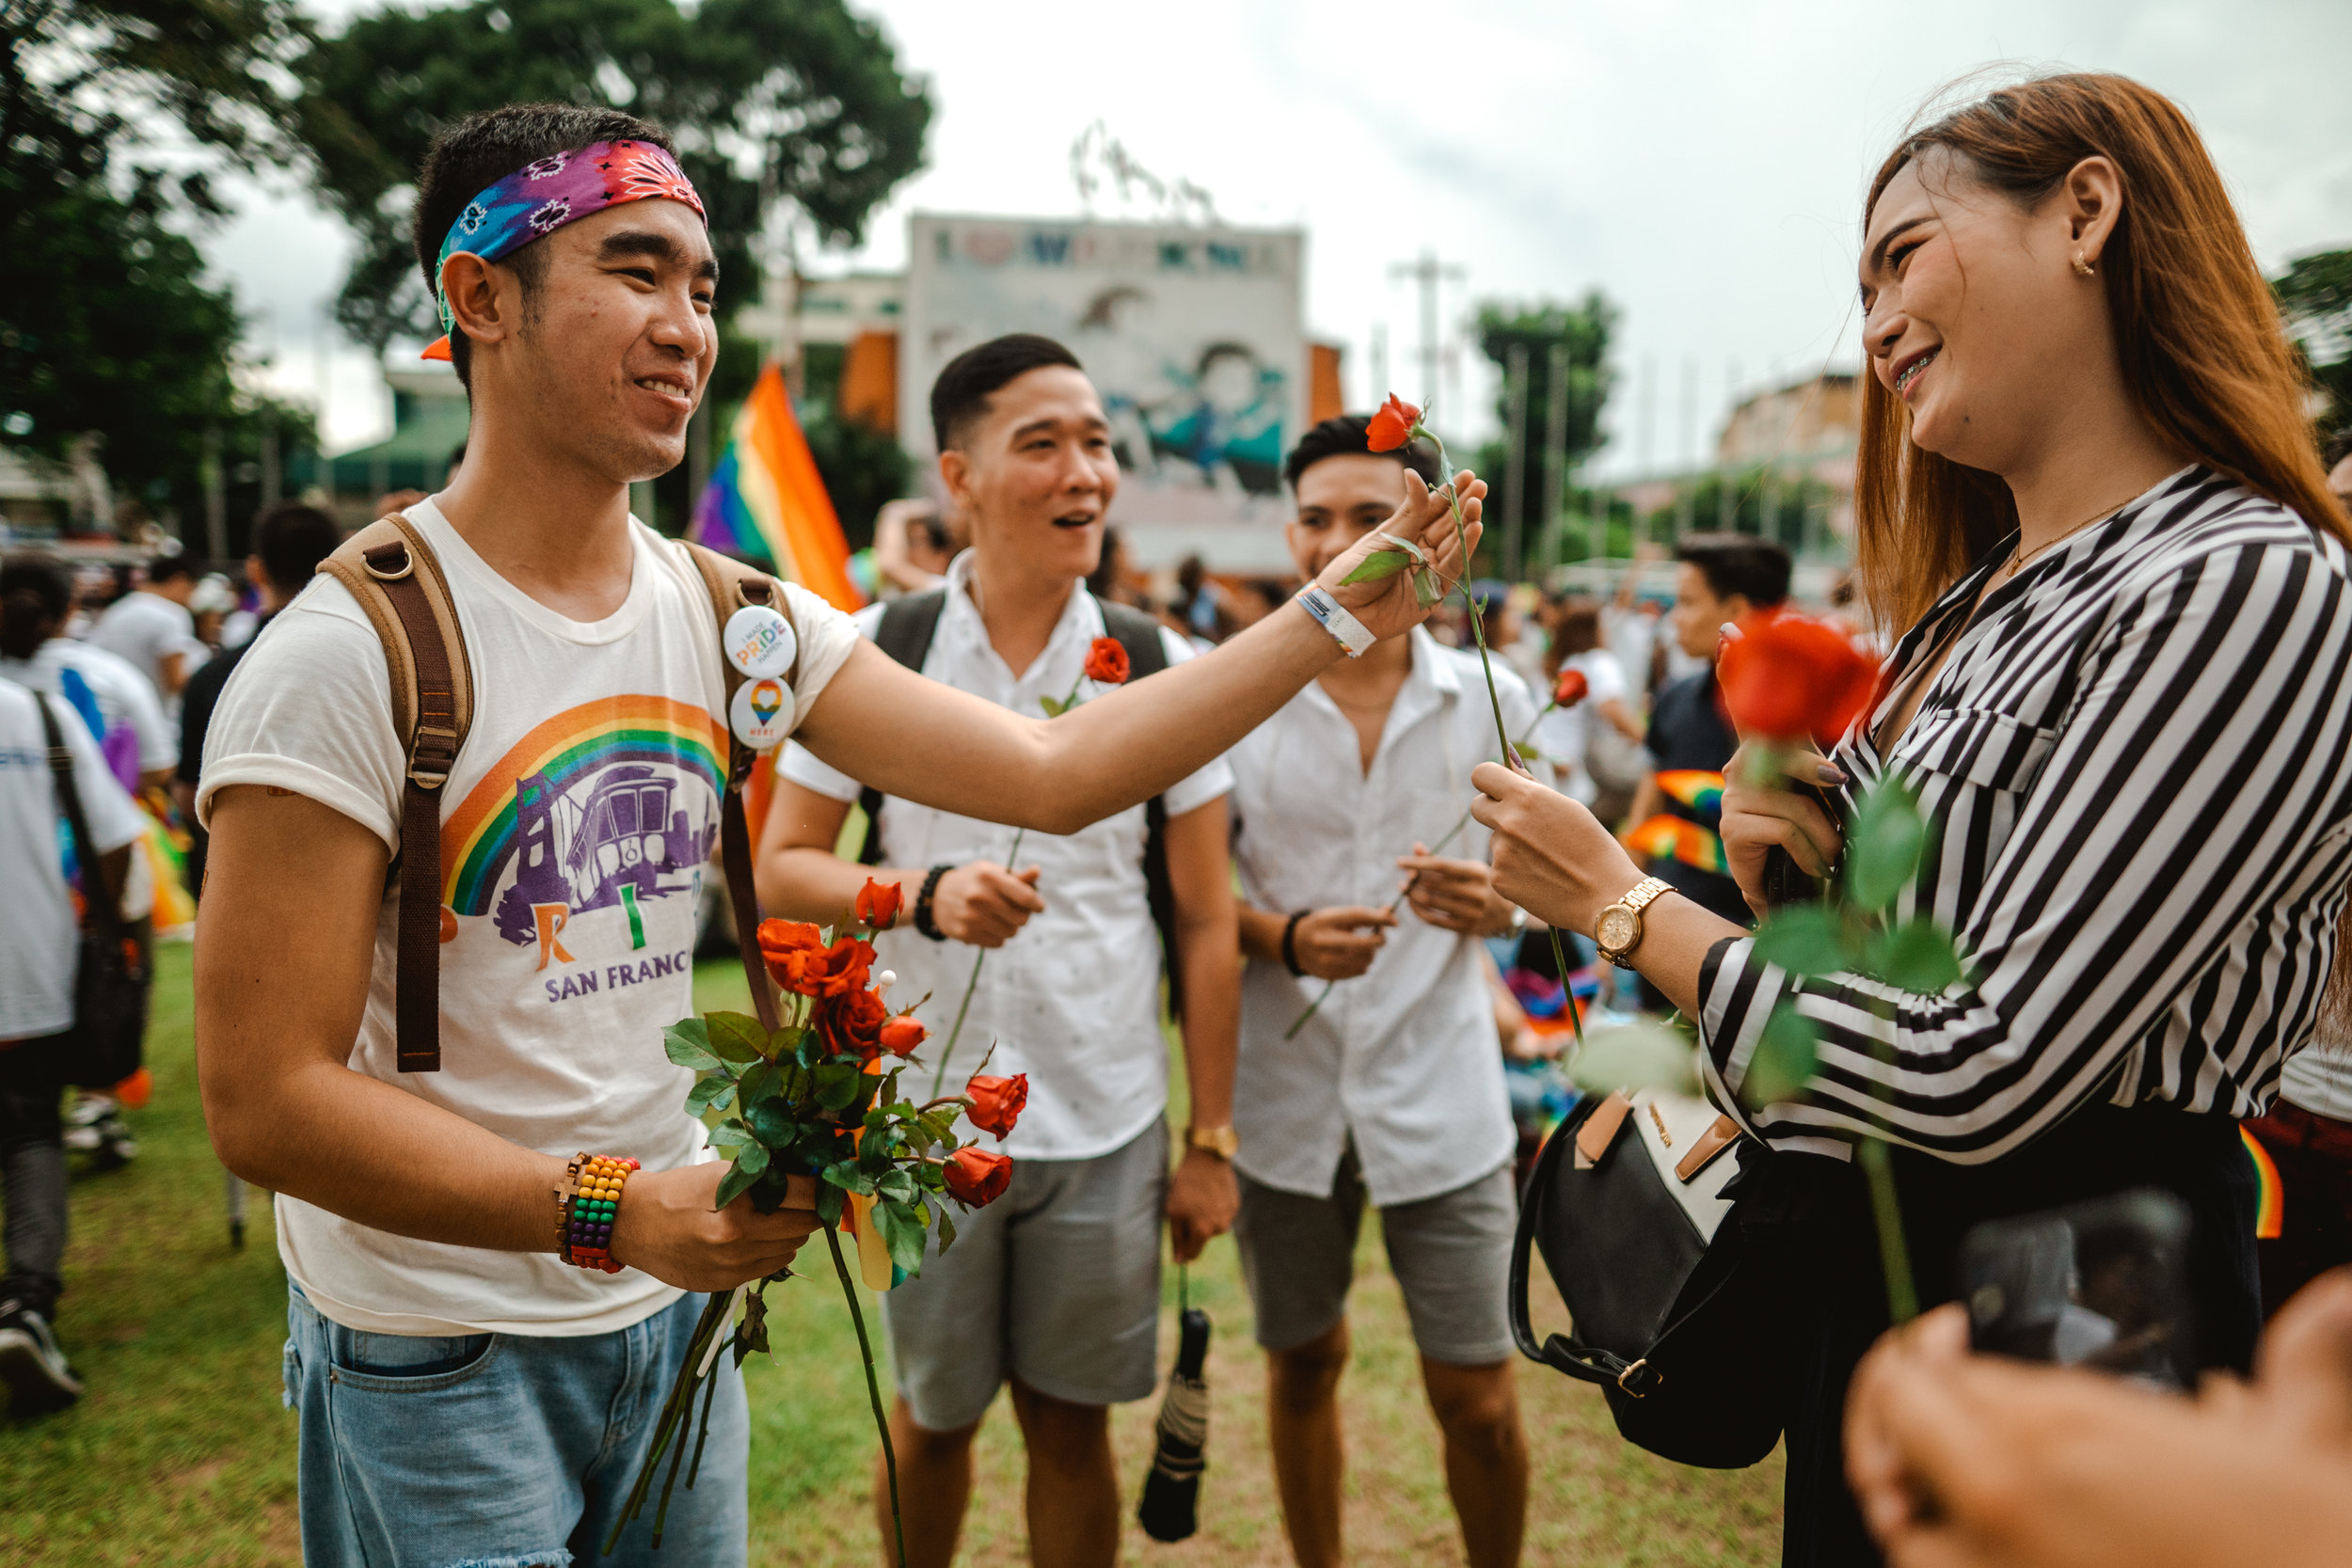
x=621, y=837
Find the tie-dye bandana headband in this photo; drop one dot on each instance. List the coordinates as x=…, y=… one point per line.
x=542, y=197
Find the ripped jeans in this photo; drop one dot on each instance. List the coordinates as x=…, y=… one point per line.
x=498, y=1451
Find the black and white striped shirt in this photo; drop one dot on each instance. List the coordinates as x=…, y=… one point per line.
x=2136, y=765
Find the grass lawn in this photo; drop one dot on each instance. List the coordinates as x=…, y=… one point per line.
x=179, y=1453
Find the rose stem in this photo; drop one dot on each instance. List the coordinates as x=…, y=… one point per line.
x=955, y=1031
x=1300, y=1022
x=873, y=1389
x=695, y=1348
x=703, y=1437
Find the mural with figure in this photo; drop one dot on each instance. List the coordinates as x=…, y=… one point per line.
x=1193, y=335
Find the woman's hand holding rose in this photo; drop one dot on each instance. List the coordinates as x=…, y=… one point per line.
x=1551, y=857
x=1759, y=817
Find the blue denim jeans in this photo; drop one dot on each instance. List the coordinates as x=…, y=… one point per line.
x=498, y=1451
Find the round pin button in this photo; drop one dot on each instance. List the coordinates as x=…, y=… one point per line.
x=760, y=642
x=761, y=714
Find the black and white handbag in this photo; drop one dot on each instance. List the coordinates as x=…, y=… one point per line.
x=1673, y=1306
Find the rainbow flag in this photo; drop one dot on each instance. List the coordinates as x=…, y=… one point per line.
x=1696, y=788
x=2270, y=1194
x=766, y=504
x=1665, y=837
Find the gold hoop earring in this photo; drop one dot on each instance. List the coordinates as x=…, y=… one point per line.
x=2083, y=268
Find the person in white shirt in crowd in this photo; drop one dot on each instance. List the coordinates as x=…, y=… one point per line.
x=151, y=626
x=1564, y=733
x=120, y=707
x=1392, y=1092
x=1630, y=625
x=40, y=941
x=1055, y=1287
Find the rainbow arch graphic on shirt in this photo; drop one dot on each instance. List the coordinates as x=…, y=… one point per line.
x=478, y=839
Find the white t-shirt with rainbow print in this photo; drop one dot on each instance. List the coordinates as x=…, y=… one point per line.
x=575, y=830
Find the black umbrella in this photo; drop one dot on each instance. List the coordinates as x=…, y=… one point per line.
x=1171, y=1509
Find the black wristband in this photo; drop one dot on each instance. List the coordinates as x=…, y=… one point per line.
x=923, y=919
x=1290, y=942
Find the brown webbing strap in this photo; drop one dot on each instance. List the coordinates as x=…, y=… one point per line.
x=431, y=755
x=734, y=849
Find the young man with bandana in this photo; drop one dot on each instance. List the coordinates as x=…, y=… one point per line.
x=463, y=1394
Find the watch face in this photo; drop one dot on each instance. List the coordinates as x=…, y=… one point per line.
x=1617, y=928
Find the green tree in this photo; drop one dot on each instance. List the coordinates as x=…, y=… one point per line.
x=1583, y=331
x=800, y=98
x=2316, y=294
x=107, y=323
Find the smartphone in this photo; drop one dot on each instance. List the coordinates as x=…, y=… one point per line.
x=1785, y=884
x=2102, y=1284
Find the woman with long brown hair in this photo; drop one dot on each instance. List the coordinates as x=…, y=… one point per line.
x=2124, y=701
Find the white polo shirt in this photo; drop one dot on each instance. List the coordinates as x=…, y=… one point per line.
x=1405, y=1058
x=145, y=629
x=1074, y=999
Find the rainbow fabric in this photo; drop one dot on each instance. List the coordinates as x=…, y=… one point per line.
x=2270, y=1194
x=1674, y=838
x=1702, y=791
x=765, y=503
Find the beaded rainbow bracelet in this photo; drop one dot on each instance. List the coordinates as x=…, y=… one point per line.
x=585, y=1205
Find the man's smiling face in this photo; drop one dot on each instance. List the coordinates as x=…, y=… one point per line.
x=1035, y=472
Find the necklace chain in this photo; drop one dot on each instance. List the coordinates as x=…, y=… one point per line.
x=2018, y=555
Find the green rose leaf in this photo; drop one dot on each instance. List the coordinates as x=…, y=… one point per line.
x=1785, y=1060
x=772, y=1120
x=1636, y=1057
x=729, y=1134
x=760, y=1083
x=1803, y=939
x=902, y=1231
x=827, y=1203
x=713, y=1093
x=1377, y=567
x=785, y=1041
x=1919, y=956
x=688, y=1043
x=850, y=1178
x=945, y=1225
x=752, y=1334
x=1426, y=588
x=1889, y=836
x=1054, y=707
x=739, y=1181
x=837, y=1085
x=897, y=1186
x=752, y=1157
x=736, y=1038
x=1532, y=752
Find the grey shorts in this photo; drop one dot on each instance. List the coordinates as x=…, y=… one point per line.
x=1056, y=1283
x=1451, y=1255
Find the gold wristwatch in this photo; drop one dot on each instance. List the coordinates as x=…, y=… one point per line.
x=1618, y=931
x=1219, y=1141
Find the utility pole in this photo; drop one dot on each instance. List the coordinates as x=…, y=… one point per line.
x=1687, y=456
x=1429, y=272
x=215, y=498
x=1555, y=445
x=273, y=467
x=1515, y=474
x=1381, y=385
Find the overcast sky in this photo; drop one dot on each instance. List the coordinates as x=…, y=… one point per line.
x=1700, y=164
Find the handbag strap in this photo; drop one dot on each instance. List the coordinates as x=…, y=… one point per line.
x=1562, y=1353
x=98, y=909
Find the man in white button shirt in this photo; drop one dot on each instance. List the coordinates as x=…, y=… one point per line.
x=1393, y=1089
x=1055, y=1287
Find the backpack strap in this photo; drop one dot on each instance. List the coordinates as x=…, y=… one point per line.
x=390, y=569
x=1139, y=634
x=731, y=585
x=908, y=625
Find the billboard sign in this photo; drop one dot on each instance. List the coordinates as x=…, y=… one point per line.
x=1193, y=335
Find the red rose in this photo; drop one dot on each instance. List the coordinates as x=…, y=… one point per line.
x=852, y=1024
x=996, y=1102
x=878, y=905
x=976, y=1177
x=779, y=940
x=1573, y=688
x=1106, y=661
x=1392, y=426
x=901, y=1034
x=822, y=972
x=1790, y=677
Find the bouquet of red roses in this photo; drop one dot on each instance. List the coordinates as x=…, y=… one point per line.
x=815, y=1100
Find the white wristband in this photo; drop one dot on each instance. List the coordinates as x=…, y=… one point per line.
x=1332, y=616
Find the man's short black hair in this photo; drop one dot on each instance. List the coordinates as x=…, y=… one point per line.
x=961, y=392
x=2339, y=447
x=169, y=568
x=35, y=596
x=481, y=149
x=1756, y=569
x=1344, y=433
x=292, y=539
